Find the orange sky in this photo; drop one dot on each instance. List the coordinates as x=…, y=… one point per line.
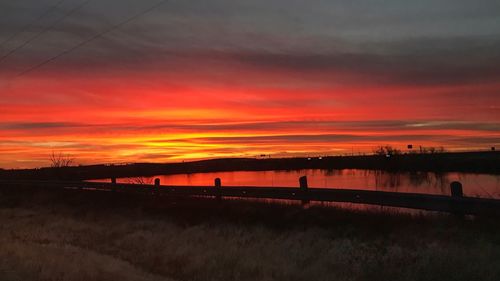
x=122, y=120
x=219, y=92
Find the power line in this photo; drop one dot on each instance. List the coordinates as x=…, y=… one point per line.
x=85, y=42
x=30, y=24
x=36, y=36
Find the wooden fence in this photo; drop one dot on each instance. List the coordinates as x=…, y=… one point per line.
x=455, y=203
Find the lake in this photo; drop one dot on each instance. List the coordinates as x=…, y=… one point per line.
x=474, y=185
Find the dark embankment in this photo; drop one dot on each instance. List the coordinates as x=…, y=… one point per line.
x=472, y=162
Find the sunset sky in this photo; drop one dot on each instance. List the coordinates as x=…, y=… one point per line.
x=232, y=78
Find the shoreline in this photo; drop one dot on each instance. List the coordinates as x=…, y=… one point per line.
x=466, y=162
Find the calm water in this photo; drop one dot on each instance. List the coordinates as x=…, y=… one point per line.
x=476, y=185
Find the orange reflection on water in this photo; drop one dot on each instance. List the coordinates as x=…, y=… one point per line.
x=475, y=185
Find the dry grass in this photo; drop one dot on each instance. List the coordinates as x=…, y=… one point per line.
x=72, y=241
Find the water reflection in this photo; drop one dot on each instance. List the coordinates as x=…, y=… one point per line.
x=477, y=185
x=434, y=183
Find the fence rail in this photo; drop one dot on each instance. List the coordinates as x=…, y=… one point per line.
x=455, y=203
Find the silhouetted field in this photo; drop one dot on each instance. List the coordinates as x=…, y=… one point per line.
x=68, y=235
x=473, y=162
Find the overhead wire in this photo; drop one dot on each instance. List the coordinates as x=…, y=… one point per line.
x=45, y=30
x=30, y=24
x=90, y=39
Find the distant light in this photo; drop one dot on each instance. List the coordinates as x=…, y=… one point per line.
x=388, y=155
x=309, y=158
x=320, y=158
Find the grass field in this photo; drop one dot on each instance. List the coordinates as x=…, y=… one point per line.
x=73, y=236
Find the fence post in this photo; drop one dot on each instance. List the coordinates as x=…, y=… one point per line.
x=217, y=184
x=457, y=192
x=113, y=184
x=156, y=188
x=304, y=187
x=456, y=189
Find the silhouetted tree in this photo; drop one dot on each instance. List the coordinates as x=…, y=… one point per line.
x=60, y=160
x=387, y=150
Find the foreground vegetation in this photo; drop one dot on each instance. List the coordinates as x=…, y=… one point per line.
x=91, y=236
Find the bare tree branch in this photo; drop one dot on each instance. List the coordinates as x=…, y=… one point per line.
x=59, y=160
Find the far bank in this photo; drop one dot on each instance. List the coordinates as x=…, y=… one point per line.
x=467, y=162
